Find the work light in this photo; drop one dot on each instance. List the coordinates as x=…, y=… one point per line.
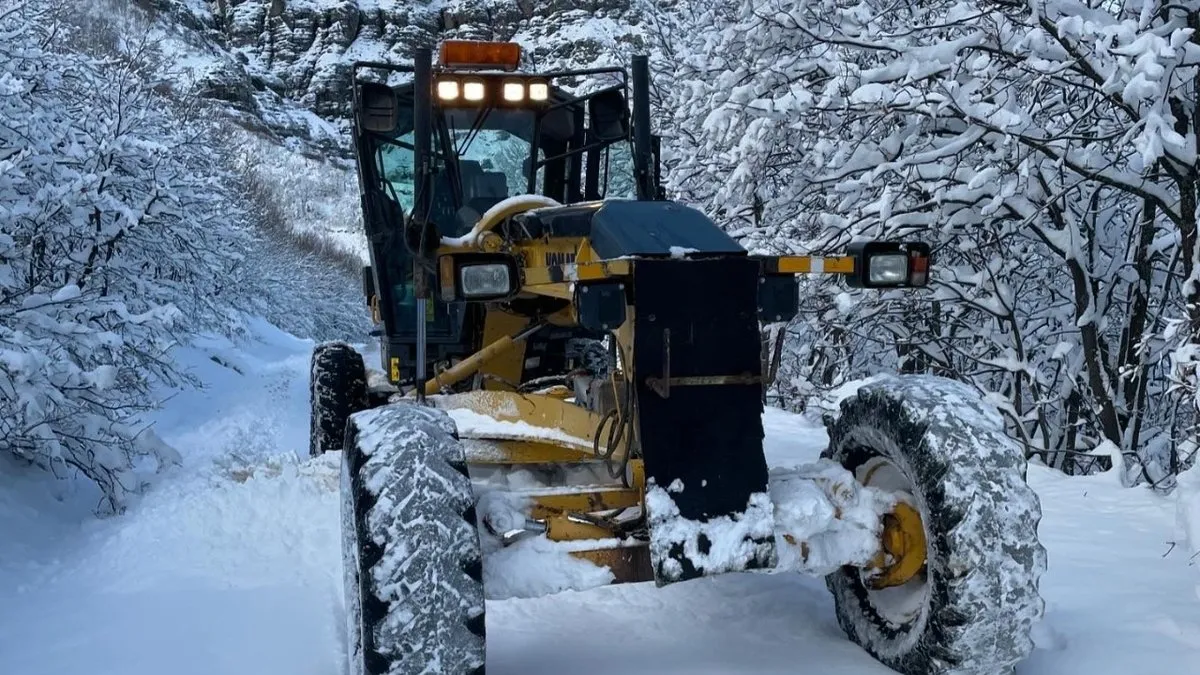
x=888, y=269
x=447, y=90
x=514, y=91
x=474, y=90
x=489, y=279
x=885, y=264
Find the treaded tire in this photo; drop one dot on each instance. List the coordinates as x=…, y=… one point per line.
x=411, y=551
x=980, y=598
x=337, y=390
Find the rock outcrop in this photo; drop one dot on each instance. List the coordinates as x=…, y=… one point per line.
x=302, y=50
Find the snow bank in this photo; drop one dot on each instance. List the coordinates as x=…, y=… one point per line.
x=536, y=566
x=476, y=425
x=1188, y=517
x=824, y=519
x=236, y=563
x=232, y=560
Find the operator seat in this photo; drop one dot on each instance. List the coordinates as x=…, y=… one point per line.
x=481, y=191
x=490, y=188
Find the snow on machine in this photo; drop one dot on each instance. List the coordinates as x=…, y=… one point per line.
x=570, y=358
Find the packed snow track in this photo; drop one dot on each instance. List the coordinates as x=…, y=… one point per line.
x=231, y=565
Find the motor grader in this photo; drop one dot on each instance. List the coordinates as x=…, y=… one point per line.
x=544, y=312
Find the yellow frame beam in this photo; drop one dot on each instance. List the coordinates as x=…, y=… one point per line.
x=563, y=528
x=808, y=264
x=531, y=417
x=525, y=452
x=587, y=271
x=540, y=276
x=588, y=501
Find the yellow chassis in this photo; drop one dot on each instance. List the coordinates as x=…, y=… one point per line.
x=545, y=430
x=529, y=430
x=540, y=430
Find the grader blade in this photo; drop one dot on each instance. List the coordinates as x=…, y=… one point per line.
x=699, y=390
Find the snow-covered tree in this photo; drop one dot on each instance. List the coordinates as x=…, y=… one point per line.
x=114, y=244
x=1047, y=150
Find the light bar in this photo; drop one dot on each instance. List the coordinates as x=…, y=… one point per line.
x=479, y=54
x=491, y=90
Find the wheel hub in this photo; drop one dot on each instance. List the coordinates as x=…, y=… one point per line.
x=903, y=548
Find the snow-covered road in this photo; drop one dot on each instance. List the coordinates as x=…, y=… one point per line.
x=231, y=566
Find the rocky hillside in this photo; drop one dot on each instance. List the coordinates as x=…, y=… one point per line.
x=267, y=53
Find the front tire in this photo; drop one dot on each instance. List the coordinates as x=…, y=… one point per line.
x=337, y=390
x=411, y=551
x=971, y=610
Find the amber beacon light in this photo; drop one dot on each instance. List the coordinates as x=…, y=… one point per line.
x=478, y=54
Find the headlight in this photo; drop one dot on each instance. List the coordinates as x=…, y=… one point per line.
x=888, y=268
x=484, y=280
x=539, y=91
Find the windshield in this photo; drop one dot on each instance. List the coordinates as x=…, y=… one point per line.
x=479, y=157
x=492, y=148
x=395, y=164
x=493, y=159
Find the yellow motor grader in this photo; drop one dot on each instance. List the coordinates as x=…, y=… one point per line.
x=544, y=310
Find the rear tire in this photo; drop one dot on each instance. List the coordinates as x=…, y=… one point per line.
x=411, y=551
x=972, y=609
x=337, y=390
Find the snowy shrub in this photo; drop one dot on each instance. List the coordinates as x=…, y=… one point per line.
x=122, y=235
x=114, y=244
x=1044, y=149
x=310, y=247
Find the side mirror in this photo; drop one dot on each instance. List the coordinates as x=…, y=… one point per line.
x=477, y=277
x=884, y=264
x=378, y=110
x=557, y=124
x=609, y=115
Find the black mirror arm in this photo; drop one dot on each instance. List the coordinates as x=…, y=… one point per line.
x=660, y=192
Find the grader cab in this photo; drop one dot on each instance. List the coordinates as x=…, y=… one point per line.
x=544, y=309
